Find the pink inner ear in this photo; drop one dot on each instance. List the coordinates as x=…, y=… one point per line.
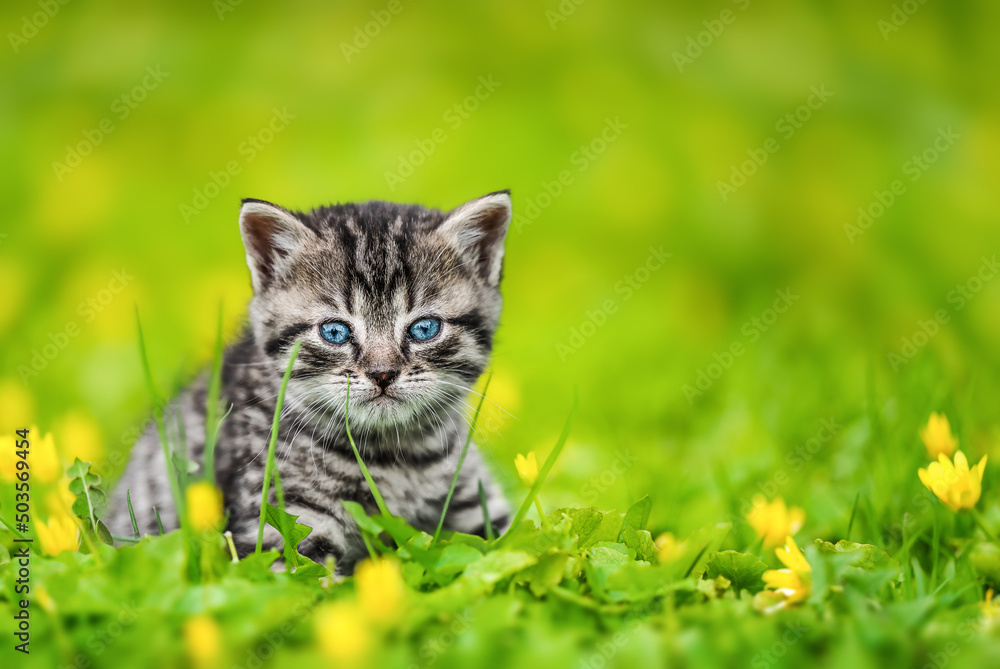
x=259, y=229
x=480, y=227
x=268, y=234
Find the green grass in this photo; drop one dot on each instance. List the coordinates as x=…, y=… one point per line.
x=271, y=468
x=572, y=264
x=586, y=587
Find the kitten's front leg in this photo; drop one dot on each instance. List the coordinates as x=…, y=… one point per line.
x=333, y=535
x=465, y=512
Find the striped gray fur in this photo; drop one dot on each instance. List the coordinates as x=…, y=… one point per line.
x=377, y=267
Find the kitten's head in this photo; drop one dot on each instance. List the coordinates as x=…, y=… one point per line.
x=401, y=298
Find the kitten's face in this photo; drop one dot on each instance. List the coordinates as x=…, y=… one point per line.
x=404, y=300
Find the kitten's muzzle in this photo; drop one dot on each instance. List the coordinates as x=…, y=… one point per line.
x=384, y=378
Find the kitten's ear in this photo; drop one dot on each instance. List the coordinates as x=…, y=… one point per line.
x=477, y=229
x=270, y=236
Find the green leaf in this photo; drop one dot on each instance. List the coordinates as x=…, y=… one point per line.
x=638, y=514
x=91, y=501
x=640, y=542
x=496, y=566
x=309, y=573
x=635, y=582
x=866, y=556
x=583, y=522
x=743, y=570
x=455, y=558
x=608, y=531
x=256, y=567
x=292, y=533
x=609, y=554
x=714, y=588
x=366, y=524
x=547, y=574
x=104, y=534
x=397, y=528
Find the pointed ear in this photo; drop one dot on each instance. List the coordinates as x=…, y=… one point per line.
x=477, y=229
x=270, y=236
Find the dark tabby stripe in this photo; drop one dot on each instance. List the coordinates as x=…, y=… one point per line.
x=285, y=339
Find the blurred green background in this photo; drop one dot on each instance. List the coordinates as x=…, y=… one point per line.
x=684, y=94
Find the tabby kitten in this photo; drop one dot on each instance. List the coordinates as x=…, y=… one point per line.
x=402, y=299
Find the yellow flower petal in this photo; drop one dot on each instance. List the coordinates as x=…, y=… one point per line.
x=204, y=506
x=46, y=466
x=794, y=583
x=59, y=534
x=342, y=633
x=203, y=640
x=954, y=483
x=961, y=463
x=937, y=436
x=668, y=548
x=774, y=521
x=527, y=468
x=792, y=557
x=381, y=591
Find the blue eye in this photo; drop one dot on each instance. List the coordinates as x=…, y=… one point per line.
x=425, y=329
x=335, y=332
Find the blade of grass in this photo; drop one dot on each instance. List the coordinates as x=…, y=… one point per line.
x=291, y=554
x=131, y=514
x=212, y=424
x=935, y=545
x=269, y=466
x=161, y=427
x=696, y=559
x=128, y=540
x=542, y=474
x=854, y=511
x=159, y=523
x=364, y=470
x=20, y=537
x=976, y=516
x=461, y=461
x=487, y=523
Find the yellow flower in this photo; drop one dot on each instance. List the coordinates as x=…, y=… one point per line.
x=79, y=437
x=668, y=548
x=937, y=436
x=954, y=483
x=342, y=633
x=59, y=534
x=204, y=506
x=45, y=463
x=381, y=592
x=43, y=460
x=203, y=640
x=774, y=521
x=527, y=468
x=793, y=583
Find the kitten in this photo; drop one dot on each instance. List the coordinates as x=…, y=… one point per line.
x=404, y=300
